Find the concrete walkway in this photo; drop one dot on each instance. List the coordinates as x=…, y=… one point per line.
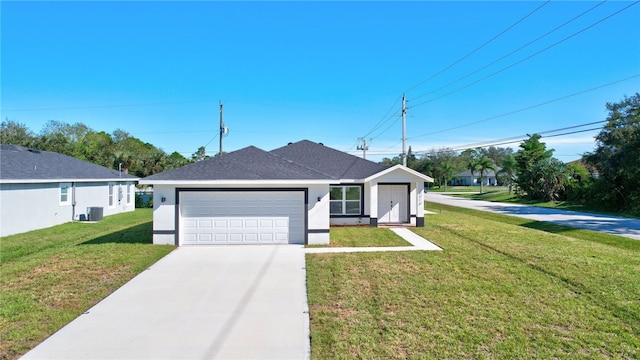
x=417, y=242
x=217, y=302
x=604, y=223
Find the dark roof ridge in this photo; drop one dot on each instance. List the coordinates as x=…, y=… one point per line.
x=301, y=165
x=338, y=164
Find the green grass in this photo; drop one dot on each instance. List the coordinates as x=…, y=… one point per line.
x=503, y=288
x=502, y=195
x=361, y=236
x=50, y=276
x=469, y=189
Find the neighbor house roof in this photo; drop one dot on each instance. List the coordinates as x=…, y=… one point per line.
x=336, y=164
x=21, y=165
x=249, y=163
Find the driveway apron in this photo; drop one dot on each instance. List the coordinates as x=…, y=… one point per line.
x=204, y=302
x=604, y=223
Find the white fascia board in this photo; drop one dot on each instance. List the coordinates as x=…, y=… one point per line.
x=45, y=181
x=235, y=182
x=403, y=168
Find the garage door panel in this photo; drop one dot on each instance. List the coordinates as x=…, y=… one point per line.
x=242, y=217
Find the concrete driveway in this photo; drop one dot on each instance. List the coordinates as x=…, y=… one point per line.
x=610, y=224
x=207, y=302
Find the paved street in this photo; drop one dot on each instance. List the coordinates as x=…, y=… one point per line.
x=610, y=224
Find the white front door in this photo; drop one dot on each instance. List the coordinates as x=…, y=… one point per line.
x=393, y=204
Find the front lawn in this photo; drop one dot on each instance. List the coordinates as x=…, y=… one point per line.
x=363, y=236
x=48, y=277
x=502, y=288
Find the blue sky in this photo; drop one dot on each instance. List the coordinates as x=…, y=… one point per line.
x=330, y=72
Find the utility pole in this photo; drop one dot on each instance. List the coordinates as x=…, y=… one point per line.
x=364, y=147
x=404, y=131
x=223, y=129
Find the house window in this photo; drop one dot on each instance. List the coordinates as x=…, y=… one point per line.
x=65, y=194
x=128, y=193
x=111, y=194
x=345, y=200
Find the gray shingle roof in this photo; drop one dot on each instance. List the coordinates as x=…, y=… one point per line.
x=335, y=163
x=304, y=160
x=249, y=163
x=20, y=163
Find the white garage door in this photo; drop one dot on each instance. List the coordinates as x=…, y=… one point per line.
x=233, y=217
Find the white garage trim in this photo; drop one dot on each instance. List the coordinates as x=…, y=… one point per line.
x=241, y=216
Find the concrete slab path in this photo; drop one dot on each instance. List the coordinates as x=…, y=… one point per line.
x=604, y=223
x=417, y=243
x=211, y=302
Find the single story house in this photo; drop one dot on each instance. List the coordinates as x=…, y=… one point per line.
x=292, y=194
x=39, y=189
x=464, y=178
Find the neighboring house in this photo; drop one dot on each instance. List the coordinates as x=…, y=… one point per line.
x=288, y=195
x=464, y=178
x=39, y=189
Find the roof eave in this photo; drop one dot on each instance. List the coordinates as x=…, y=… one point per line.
x=237, y=182
x=44, y=181
x=404, y=168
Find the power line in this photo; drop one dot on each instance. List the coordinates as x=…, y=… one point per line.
x=522, y=139
x=493, y=142
x=383, y=119
x=526, y=58
x=478, y=48
x=110, y=106
x=510, y=53
x=528, y=107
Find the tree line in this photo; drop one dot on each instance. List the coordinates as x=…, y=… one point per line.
x=118, y=150
x=606, y=178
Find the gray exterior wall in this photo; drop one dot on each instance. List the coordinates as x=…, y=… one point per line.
x=32, y=206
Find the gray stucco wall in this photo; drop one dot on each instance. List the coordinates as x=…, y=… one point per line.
x=26, y=207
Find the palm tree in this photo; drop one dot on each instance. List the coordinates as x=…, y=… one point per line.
x=509, y=171
x=484, y=164
x=472, y=166
x=446, y=169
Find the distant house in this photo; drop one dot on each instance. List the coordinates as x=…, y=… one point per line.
x=292, y=194
x=464, y=178
x=39, y=189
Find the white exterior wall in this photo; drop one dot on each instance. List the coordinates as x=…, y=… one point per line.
x=164, y=215
x=27, y=207
x=318, y=215
x=97, y=195
x=416, y=193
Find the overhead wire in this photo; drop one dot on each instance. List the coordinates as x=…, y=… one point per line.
x=479, y=47
x=490, y=142
x=384, y=119
x=521, y=139
x=527, y=108
x=528, y=57
x=110, y=106
x=511, y=53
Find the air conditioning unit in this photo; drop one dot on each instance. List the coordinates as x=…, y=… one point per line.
x=94, y=213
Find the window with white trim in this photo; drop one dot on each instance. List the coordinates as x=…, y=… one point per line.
x=345, y=200
x=129, y=186
x=65, y=193
x=112, y=194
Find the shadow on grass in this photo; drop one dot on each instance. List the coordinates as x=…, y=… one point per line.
x=611, y=237
x=139, y=234
x=624, y=313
